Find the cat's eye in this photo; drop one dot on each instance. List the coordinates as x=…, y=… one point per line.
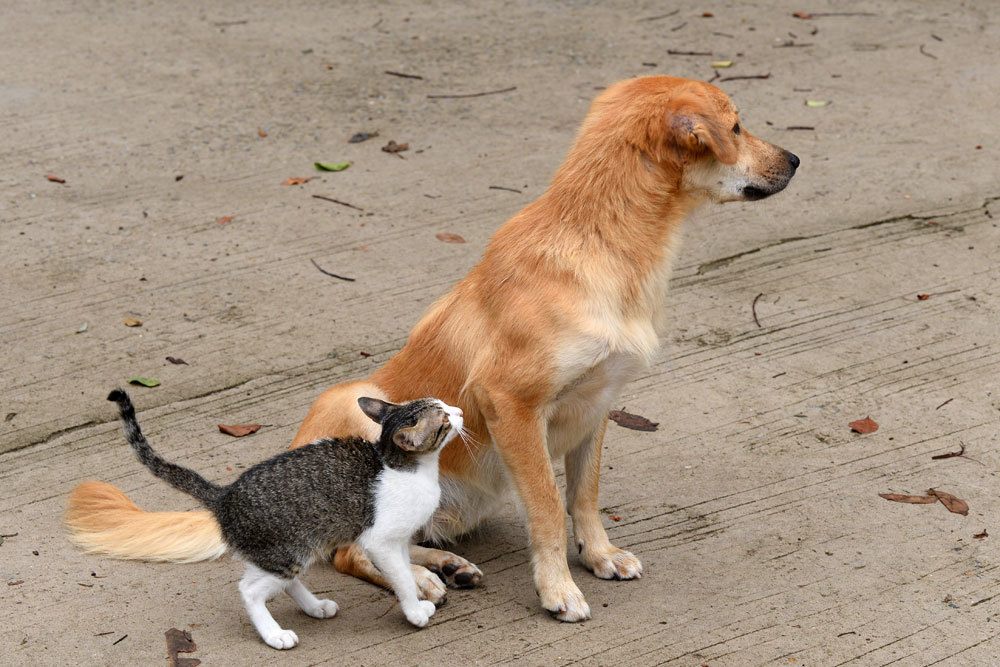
x=736, y=128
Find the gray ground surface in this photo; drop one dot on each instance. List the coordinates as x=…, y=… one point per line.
x=754, y=508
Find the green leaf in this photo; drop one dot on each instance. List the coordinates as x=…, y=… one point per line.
x=332, y=166
x=722, y=64
x=144, y=381
x=816, y=104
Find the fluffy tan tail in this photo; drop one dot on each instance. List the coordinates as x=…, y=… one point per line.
x=102, y=520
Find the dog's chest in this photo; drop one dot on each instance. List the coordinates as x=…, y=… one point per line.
x=578, y=407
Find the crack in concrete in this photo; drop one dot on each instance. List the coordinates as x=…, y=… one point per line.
x=715, y=264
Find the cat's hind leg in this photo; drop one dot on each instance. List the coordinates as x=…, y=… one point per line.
x=393, y=561
x=308, y=602
x=256, y=588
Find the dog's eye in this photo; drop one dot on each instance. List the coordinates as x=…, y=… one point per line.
x=736, y=128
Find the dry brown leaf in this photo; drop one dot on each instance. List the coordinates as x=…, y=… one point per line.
x=180, y=641
x=707, y=15
x=54, y=178
x=393, y=147
x=953, y=503
x=863, y=426
x=224, y=220
x=239, y=430
x=448, y=237
x=913, y=500
x=923, y=297
x=262, y=133
x=802, y=15
x=981, y=536
x=297, y=180
x=615, y=518
x=634, y=422
x=177, y=361
x=132, y=322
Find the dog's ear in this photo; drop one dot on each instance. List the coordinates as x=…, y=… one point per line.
x=374, y=408
x=692, y=127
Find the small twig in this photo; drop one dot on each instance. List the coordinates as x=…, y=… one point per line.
x=724, y=34
x=714, y=76
x=821, y=14
x=337, y=201
x=944, y=404
x=950, y=455
x=753, y=309
x=101, y=634
x=936, y=37
x=791, y=45
x=678, y=27
x=118, y=641
x=8, y=535
x=500, y=187
x=226, y=24
x=929, y=55
x=800, y=127
x=745, y=76
x=675, y=52
x=327, y=273
x=660, y=16
x=403, y=75
x=460, y=96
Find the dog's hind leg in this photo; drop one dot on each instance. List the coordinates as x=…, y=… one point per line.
x=583, y=471
x=453, y=570
x=353, y=561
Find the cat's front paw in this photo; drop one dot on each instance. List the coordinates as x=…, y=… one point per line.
x=281, y=639
x=420, y=613
x=322, y=609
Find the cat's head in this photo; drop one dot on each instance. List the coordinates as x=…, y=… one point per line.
x=423, y=425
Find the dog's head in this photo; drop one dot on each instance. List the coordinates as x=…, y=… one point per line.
x=690, y=132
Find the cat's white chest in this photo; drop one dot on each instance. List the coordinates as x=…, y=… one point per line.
x=405, y=500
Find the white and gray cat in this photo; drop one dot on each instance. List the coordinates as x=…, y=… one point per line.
x=281, y=513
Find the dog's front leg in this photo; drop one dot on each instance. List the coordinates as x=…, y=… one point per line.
x=519, y=435
x=583, y=473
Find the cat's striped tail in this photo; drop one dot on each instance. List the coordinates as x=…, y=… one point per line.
x=102, y=520
x=181, y=478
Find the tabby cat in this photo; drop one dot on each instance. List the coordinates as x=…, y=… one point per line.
x=281, y=513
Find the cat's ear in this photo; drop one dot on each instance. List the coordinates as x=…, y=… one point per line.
x=374, y=408
x=403, y=440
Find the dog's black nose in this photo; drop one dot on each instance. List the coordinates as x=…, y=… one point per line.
x=793, y=159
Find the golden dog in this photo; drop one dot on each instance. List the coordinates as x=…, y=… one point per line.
x=534, y=344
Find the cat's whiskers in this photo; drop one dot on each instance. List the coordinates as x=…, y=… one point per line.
x=469, y=439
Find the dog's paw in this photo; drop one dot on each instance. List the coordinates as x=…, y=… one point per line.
x=454, y=570
x=322, y=609
x=565, y=602
x=429, y=585
x=612, y=563
x=282, y=639
x=420, y=613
